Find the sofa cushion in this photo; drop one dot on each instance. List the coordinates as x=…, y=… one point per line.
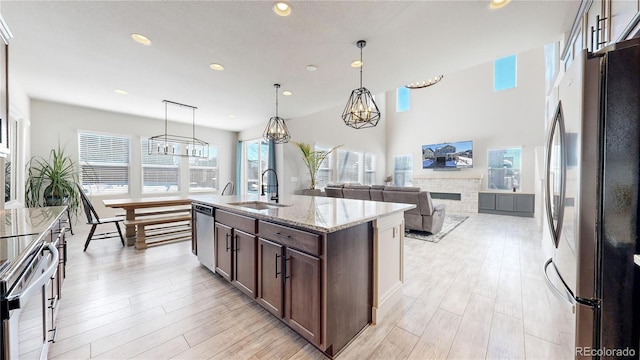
x=390, y=194
x=376, y=192
x=360, y=192
x=334, y=190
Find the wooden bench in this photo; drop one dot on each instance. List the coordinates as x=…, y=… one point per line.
x=157, y=227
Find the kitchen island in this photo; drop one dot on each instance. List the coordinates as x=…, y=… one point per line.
x=327, y=267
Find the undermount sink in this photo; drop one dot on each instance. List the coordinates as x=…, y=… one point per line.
x=258, y=205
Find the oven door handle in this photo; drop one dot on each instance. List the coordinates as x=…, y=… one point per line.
x=14, y=299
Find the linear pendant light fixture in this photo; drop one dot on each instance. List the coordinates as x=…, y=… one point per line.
x=361, y=110
x=276, y=129
x=165, y=144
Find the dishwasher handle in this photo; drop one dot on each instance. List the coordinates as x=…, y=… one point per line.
x=203, y=209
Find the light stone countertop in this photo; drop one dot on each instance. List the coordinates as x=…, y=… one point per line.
x=324, y=214
x=27, y=221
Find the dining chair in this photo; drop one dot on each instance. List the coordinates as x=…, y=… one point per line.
x=228, y=189
x=94, y=220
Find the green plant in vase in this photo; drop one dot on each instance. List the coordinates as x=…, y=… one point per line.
x=52, y=181
x=313, y=160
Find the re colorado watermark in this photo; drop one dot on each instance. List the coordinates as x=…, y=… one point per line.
x=588, y=351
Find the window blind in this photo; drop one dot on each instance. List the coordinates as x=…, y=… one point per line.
x=160, y=173
x=104, y=163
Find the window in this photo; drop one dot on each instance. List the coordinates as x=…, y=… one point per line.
x=325, y=172
x=203, y=172
x=256, y=162
x=403, y=99
x=349, y=166
x=403, y=170
x=104, y=163
x=369, y=169
x=160, y=173
x=504, y=168
x=504, y=73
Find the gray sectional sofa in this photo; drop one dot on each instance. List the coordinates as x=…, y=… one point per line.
x=424, y=217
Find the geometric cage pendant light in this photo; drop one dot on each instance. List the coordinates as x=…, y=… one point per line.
x=361, y=110
x=276, y=129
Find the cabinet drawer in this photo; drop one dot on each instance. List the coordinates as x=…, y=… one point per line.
x=302, y=240
x=236, y=221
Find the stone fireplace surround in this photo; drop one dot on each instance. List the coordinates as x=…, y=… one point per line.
x=466, y=187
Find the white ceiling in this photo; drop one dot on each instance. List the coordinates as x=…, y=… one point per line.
x=78, y=52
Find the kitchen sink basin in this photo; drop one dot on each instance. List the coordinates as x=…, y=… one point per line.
x=258, y=205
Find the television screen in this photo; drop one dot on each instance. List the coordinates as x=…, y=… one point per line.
x=453, y=155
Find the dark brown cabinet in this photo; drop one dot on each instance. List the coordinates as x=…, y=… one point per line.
x=223, y=251
x=235, y=251
x=244, y=262
x=270, y=279
x=289, y=287
x=302, y=294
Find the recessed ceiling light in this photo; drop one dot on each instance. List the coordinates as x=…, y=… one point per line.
x=231, y=116
x=281, y=8
x=287, y=93
x=356, y=63
x=311, y=68
x=141, y=39
x=217, y=67
x=120, y=91
x=497, y=4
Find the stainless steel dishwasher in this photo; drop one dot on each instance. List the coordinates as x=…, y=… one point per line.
x=205, y=235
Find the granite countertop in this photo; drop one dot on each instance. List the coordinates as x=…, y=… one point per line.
x=27, y=221
x=324, y=214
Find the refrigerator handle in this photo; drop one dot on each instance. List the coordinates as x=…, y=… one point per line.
x=557, y=125
x=565, y=294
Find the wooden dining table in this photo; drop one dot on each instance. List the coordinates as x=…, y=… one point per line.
x=133, y=205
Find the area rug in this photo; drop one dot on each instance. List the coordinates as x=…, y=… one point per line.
x=450, y=222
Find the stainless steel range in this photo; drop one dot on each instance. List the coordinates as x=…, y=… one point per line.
x=31, y=273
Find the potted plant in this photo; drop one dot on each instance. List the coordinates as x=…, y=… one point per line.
x=388, y=180
x=313, y=160
x=52, y=181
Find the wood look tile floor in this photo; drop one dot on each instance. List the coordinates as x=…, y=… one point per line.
x=477, y=294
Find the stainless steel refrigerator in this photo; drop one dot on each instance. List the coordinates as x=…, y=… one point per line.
x=591, y=200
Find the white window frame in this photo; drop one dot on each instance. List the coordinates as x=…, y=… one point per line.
x=407, y=175
x=372, y=171
x=359, y=171
x=252, y=186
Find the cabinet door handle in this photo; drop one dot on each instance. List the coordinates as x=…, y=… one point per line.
x=227, y=236
x=285, y=267
x=277, y=273
x=235, y=242
x=282, y=235
x=54, y=302
x=55, y=334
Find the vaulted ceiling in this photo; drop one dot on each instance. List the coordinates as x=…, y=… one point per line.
x=79, y=52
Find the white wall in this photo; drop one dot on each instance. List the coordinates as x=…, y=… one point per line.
x=324, y=128
x=463, y=106
x=53, y=123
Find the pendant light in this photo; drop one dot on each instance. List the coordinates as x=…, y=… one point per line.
x=178, y=145
x=276, y=128
x=361, y=110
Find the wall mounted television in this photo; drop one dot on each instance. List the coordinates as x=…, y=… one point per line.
x=453, y=155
